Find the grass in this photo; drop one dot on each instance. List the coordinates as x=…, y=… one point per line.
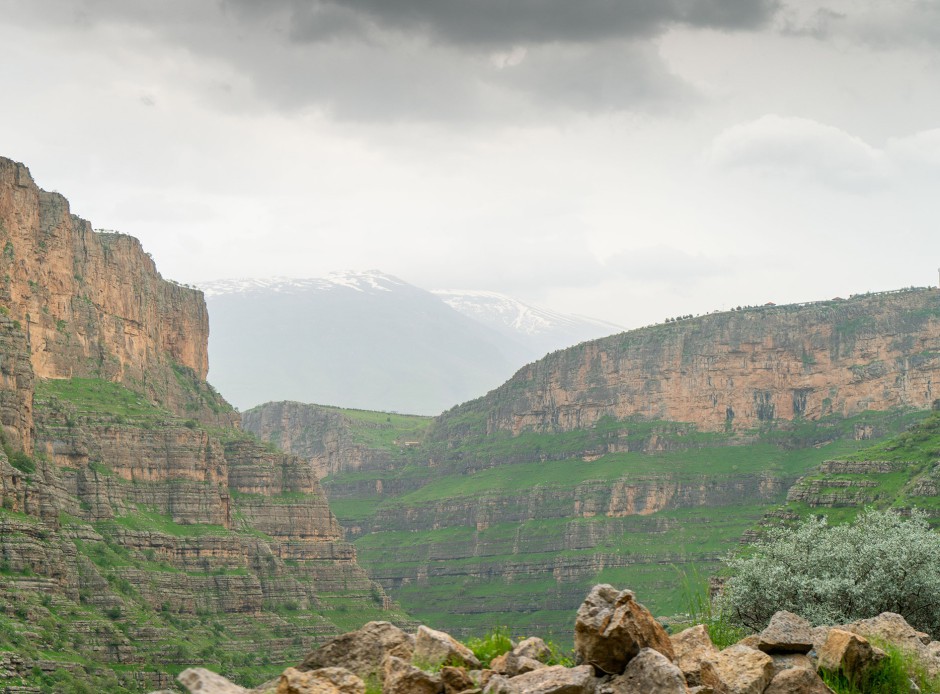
x=95, y=397
x=894, y=675
x=152, y=521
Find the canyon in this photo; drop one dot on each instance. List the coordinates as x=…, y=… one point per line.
x=638, y=460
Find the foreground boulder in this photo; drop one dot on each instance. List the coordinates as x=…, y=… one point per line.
x=849, y=653
x=693, y=647
x=797, y=681
x=362, y=652
x=786, y=633
x=738, y=670
x=511, y=665
x=436, y=648
x=894, y=629
x=612, y=627
x=555, y=679
x=400, y=677
x=533, y=647
x=649, y=673
x=204, y=681
x=331, y=680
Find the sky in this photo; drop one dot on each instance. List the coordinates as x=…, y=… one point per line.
x=630, y=161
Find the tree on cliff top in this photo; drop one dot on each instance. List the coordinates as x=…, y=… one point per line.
x=881, y=562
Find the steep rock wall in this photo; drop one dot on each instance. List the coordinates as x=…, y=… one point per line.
x=734, y=370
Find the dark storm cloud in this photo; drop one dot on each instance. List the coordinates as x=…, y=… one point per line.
x=419, y=60
x=498, y=22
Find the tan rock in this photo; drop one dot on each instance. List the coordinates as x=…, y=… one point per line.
x=533, y=647
x=738, y=670
x=362, y=652
x=790, y=661
x=201, y=681
x=510, y=664
x=401, y=677
x=692, y=647
x=650, y=672
x=435, y=648
x=556, y=679
x=331, y=680
x=612, y=627
x=750, y=641
x=893, y=628
x=456, y=680
x=849, y=653
x=786, y=633
x=797, y=681
x=498, y=684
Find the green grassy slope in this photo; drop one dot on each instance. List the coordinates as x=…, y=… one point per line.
x=513, y=531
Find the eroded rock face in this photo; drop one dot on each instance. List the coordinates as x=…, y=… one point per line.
x=364, y=651
x=651, y=673
x=693, y=647
x=786, y=633
x=745, y=368
x=612, y=627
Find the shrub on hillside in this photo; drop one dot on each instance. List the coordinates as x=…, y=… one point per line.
x=881, y=562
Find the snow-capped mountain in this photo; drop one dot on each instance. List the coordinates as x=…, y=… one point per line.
x=540, y=327
x=371, y=340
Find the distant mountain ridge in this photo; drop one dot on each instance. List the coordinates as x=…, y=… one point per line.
x=371, y=340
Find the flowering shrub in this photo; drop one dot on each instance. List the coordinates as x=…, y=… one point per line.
x=880, y=562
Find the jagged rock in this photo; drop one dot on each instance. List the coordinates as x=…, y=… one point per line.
x=750, y=641
x=533, y=647
x=797, y=681
x=612, y=627
x=436, y=648
x=555, y=679
x=790, y=661
x=510, y=664
x=738, y=670
x=456, y=680
x=786, y=633
x=650, y=672
x=849, y=653
x=692, y=647
x=362, y=652
x=331, y=680
x=201, y=681
x=498, y=684
x=893, y=628
x=400, y=677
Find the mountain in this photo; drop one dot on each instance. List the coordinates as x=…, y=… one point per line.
x=140, y=529
x=370, y=340
x=624, y=460
x=539, y=330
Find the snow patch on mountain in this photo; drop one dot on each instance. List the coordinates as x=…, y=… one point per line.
x=367, y=281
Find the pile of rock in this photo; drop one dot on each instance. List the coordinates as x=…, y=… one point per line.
x=621, y=649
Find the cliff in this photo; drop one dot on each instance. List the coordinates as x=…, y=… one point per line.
x=730, y=371
x=621, y=459
x=93, y=304
x=137, y=522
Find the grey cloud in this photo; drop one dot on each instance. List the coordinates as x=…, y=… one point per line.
x=414, y=60
x=872, y=22
x=497, y=22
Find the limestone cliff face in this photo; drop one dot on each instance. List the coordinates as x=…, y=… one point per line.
x=733, y=370
x=321, y=435
x=89, y=303
x=125, y=484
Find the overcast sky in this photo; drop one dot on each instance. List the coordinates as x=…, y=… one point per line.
x=628, y=160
